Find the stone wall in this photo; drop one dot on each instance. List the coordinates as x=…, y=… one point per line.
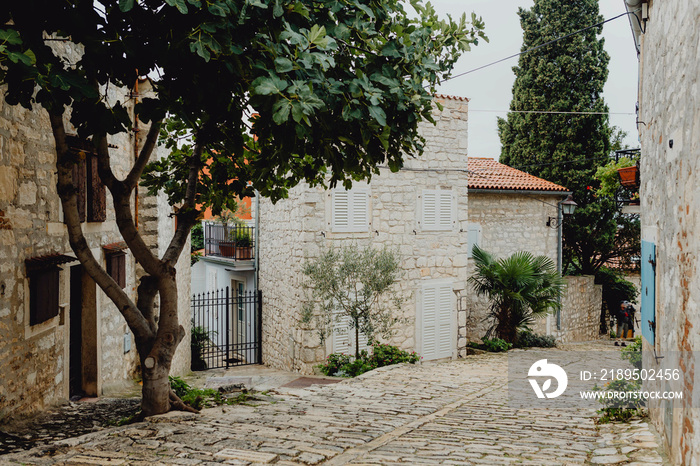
x=669, y=95
x=509, y=222
x=34, y=360
x=580, y=312
x=297, y=228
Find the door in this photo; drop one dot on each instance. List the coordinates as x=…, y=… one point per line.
x=75, y=369
x=437, y=320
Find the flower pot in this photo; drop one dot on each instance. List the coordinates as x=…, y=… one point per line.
x=629, y=176
x=244, y=252
x=227, y=248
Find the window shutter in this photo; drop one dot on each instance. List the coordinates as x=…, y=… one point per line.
x=116, y=267
x=473, y=237
x=350, y=210
x=341, y=333
x=43, y=295
x=444, y=321
x=429, y=323
x=437, y=209
x=437, y=321
x=79, y=176
x=96, y=199
x=359, y=210
x=445, y=210
x=648, y=305
x=341, y=210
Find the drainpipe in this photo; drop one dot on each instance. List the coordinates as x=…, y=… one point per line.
x=560, y=220
x=256, y=262
x=638, y=9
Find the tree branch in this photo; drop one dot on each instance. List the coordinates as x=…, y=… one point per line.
x=187, y=216
x=78, y=243
x=132, y=179
x=121, y=197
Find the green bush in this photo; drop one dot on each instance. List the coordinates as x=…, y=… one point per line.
x=528, y=339
x=492, y=345
x=622, y=410
x=197, y=239
x=199, y=338
x=343, y=365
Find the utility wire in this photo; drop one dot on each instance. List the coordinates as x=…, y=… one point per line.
x=553, y=112
x=535, y=48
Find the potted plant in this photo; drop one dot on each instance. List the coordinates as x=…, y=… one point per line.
x=629, y=176
x=243, y=242
x=227, y=245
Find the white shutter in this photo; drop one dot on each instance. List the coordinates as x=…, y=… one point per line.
x=350, y=210
x=437, y=209
x=444, y=321
x=429, y=209
x=437, y=321
x=473, y=237
x=341, y=210
x=445, y=210
x=211, y=279
x=428, y=322
x=344, y=336
x=341, y=334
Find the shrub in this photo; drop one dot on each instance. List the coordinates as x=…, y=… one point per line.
x=343, y=365
x=199, y=338
x=528, y=339
x=622, y=410
x=633, y=352
x=492, y=345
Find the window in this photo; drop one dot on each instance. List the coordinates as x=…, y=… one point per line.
x=350, y=210
x=473, y=237
x=43, y=274
x=92, y=205
x=437, y=207
x=116, y=267
x=43, y=294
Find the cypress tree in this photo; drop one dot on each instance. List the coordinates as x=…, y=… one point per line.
x=565, y=76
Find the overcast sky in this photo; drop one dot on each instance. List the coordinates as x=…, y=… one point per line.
x=491, y=88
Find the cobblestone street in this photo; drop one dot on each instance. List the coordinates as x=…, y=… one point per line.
x=447, y=413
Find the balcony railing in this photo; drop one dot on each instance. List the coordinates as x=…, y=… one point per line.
x=229, y=241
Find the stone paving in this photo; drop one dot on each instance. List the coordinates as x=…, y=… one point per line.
x=445, y=413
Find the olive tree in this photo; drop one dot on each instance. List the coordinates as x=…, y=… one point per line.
x=353, y=282
x=330, y=88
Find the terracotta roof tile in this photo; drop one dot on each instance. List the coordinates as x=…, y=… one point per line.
x=487, y=173
x=451, y=97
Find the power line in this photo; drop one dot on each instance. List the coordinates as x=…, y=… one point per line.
x=536, y=48
x=553, y=112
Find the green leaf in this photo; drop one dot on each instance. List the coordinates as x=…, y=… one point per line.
x=219, y=9
x=317, y=35
x=283, y=65
x=179, y=4
x=378, y=114
x=277, y=11
x=126, y=5
x=281, y=111
x=10, y=36
x=269, y=85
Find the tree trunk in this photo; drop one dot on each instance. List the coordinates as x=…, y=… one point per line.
x=156, y=361
x=357, y=340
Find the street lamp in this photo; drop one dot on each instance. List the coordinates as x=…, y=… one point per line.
x=564, y=208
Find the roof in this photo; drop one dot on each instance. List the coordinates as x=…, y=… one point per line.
x=112, y=248
x=485, y=173
x=451, y=97
x=46, y=261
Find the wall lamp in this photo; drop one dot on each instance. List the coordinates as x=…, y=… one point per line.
x=566, y=208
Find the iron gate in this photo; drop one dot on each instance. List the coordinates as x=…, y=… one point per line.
x=226, y=329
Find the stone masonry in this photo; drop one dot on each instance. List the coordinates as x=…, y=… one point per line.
x=297, y=228
x=669, y=116
x=34, y=360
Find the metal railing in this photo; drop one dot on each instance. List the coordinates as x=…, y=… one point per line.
x=230, y=241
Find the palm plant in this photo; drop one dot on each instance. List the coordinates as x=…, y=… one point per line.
x=521, y=288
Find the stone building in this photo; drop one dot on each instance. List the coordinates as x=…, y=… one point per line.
x=421, y=211
x=432, y=211
x=60, y=336
x=667, y=35
x=510, y=211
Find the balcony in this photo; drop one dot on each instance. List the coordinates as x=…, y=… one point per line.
x=235, y=242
